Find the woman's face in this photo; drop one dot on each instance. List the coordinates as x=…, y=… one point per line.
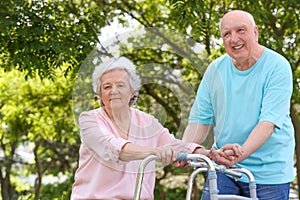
x=115, y=91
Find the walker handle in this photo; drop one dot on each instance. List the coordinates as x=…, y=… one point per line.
x=182, y=156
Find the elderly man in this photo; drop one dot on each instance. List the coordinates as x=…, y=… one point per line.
x=245, y=97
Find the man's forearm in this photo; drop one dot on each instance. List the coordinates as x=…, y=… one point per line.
x=196, y=133
x=259, y=135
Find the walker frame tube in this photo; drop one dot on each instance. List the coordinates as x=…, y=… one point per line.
x=212, y=177
x=140, y=176
x=211, y=168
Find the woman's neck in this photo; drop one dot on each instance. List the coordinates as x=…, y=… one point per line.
x=121, y=119
x=120, y=114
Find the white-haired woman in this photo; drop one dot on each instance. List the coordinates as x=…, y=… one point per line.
x=115, y=137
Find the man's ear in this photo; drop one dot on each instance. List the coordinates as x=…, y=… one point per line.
x=256, y=33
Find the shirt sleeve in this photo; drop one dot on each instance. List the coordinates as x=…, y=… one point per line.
x=202, y=111
x=98, y=138
x=277, y=95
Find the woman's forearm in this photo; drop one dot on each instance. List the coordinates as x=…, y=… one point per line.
x=135, y=152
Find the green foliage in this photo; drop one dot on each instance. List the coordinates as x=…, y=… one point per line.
x=37, y=115
x=58, y=191
x=40, y=36
x=172, y=194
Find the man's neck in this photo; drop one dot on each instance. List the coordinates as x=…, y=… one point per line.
x=247, y=63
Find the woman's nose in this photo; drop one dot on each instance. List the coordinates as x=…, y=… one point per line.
x=114, y=89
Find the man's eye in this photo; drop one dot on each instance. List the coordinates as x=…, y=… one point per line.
x=225, y=34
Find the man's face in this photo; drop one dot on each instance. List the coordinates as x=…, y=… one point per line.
x=239, y=35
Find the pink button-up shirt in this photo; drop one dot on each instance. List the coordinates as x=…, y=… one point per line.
x=101, y=175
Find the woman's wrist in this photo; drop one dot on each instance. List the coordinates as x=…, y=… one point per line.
x=201, y=150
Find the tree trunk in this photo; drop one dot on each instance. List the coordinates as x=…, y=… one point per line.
x=38, y=180
x=6, y=187
x=296, y=124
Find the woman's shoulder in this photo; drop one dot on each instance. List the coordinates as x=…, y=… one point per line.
x=146, y=120
x=91, y=113
x=140, y=115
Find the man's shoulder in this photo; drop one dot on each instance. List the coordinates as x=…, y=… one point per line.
x=222, y=58
x=220, y=62
x=272, y=54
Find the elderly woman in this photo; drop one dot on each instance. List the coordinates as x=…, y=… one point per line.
x=115, y=137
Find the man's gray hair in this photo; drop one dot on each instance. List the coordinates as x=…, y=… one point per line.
x=113, y=64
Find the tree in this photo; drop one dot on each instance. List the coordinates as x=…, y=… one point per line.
x=56, y=32
x=29, y=119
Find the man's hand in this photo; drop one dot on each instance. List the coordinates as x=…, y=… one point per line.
x=227, y=155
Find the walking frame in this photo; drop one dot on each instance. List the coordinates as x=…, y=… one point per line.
x=202, y=164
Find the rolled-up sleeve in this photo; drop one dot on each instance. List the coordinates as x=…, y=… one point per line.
x=98, y=138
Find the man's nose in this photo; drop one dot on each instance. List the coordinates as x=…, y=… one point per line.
x=234, y=37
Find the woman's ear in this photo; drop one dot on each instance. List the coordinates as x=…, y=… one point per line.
x=133, y=98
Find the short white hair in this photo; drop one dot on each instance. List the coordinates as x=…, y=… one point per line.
x=113, y=64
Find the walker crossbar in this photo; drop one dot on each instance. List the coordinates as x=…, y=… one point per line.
x=202, y=164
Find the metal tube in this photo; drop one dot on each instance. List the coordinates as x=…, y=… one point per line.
x=252, y=188
x=252, y=185
x=233, y=197
x=202, y=157
x=212, y=176
x=191, y=182
x=248, y=173
x=140, y=176
x=213, y=187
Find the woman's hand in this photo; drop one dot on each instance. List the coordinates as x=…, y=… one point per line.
x=198, y=150
x=166, y=154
